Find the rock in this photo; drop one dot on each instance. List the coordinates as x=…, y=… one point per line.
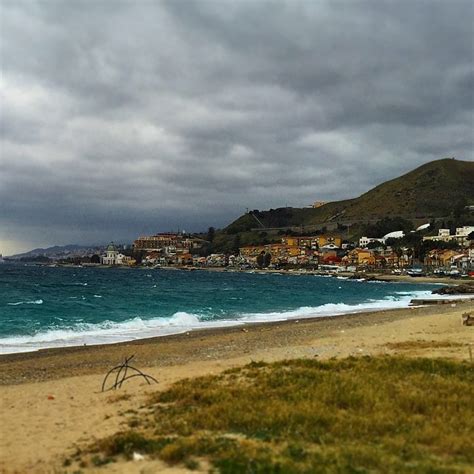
x=464, y=289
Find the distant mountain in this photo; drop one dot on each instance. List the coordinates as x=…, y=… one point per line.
x=60, y=251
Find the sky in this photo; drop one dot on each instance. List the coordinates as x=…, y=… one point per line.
x=127, y=118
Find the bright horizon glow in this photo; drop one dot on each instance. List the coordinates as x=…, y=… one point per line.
x=11, y=247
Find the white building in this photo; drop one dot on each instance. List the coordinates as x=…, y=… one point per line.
x=464, y=231
x=398, y=234
x=364, y=241
x=110, y=258
x=444, y=235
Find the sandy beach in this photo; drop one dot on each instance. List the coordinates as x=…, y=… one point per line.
x=52, y=404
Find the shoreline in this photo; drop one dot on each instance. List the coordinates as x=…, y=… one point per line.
x=199, y=344
x=367, y=275
x=245, y=321
x=50, y=391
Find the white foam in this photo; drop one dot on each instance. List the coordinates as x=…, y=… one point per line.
x=109, y=332
x=103, y=333
x=26, y=302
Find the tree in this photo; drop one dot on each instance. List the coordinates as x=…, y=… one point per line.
x=387, y=225
x=460, y=208
x=236, y=244
x=375, y=245
x=267, y=258
x=260, y=259
x=210, y=234
x=139, y=255
x=95, y=259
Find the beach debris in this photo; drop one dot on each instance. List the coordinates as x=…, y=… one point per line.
x=50, y=397
x=244, y=330
x=468, y=319
x=121, y=375
x=138, y=456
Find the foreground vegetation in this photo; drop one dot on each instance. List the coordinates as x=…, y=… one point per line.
x=381, y=414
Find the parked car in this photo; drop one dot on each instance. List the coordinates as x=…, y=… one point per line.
x=416, y=272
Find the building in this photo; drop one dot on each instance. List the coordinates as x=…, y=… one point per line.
x=312, y=242
x=446, y=258
x=300, y=249
x=110, y=257
x=114, y=257
x=179, y=242
x=444, y=235
x=360, y=257
x=365, y=241
x=464, y=231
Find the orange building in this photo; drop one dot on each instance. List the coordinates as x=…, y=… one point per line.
x=160, y=241
x=312, y=241
x=251, y=250
x=362, y=257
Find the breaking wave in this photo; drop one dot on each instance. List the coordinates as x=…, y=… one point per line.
x=109, y=332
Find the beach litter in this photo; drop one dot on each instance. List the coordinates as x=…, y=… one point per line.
x=121, y=375
x=138, y=456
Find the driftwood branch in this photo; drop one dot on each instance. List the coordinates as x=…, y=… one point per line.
x=468, y=319
x=121, y=375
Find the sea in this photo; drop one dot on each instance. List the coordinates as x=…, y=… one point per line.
x=44, y=307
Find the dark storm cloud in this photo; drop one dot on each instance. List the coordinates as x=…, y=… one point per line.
x=121, y=118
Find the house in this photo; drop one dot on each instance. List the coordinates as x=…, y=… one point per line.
x=365, y=241
x=184, y=259
x=440, y=257
x=313, y=242
x=359, y=257
x=444, y=235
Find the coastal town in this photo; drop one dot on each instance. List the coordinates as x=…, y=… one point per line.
x=453, y=253
x=416, y=253
x=416, y=224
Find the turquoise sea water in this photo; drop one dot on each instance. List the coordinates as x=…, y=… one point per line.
x=50, y=307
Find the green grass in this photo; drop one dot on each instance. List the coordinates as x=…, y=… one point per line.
x=358, y=415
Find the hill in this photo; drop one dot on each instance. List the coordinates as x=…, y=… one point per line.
x=59, y=251
x=434, y=190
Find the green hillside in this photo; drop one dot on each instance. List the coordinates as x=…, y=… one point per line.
x=434, y=190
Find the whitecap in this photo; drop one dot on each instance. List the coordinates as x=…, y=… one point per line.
x=26, y=302
x=181, y=321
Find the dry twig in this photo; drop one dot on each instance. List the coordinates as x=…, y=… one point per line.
x=122, y=375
